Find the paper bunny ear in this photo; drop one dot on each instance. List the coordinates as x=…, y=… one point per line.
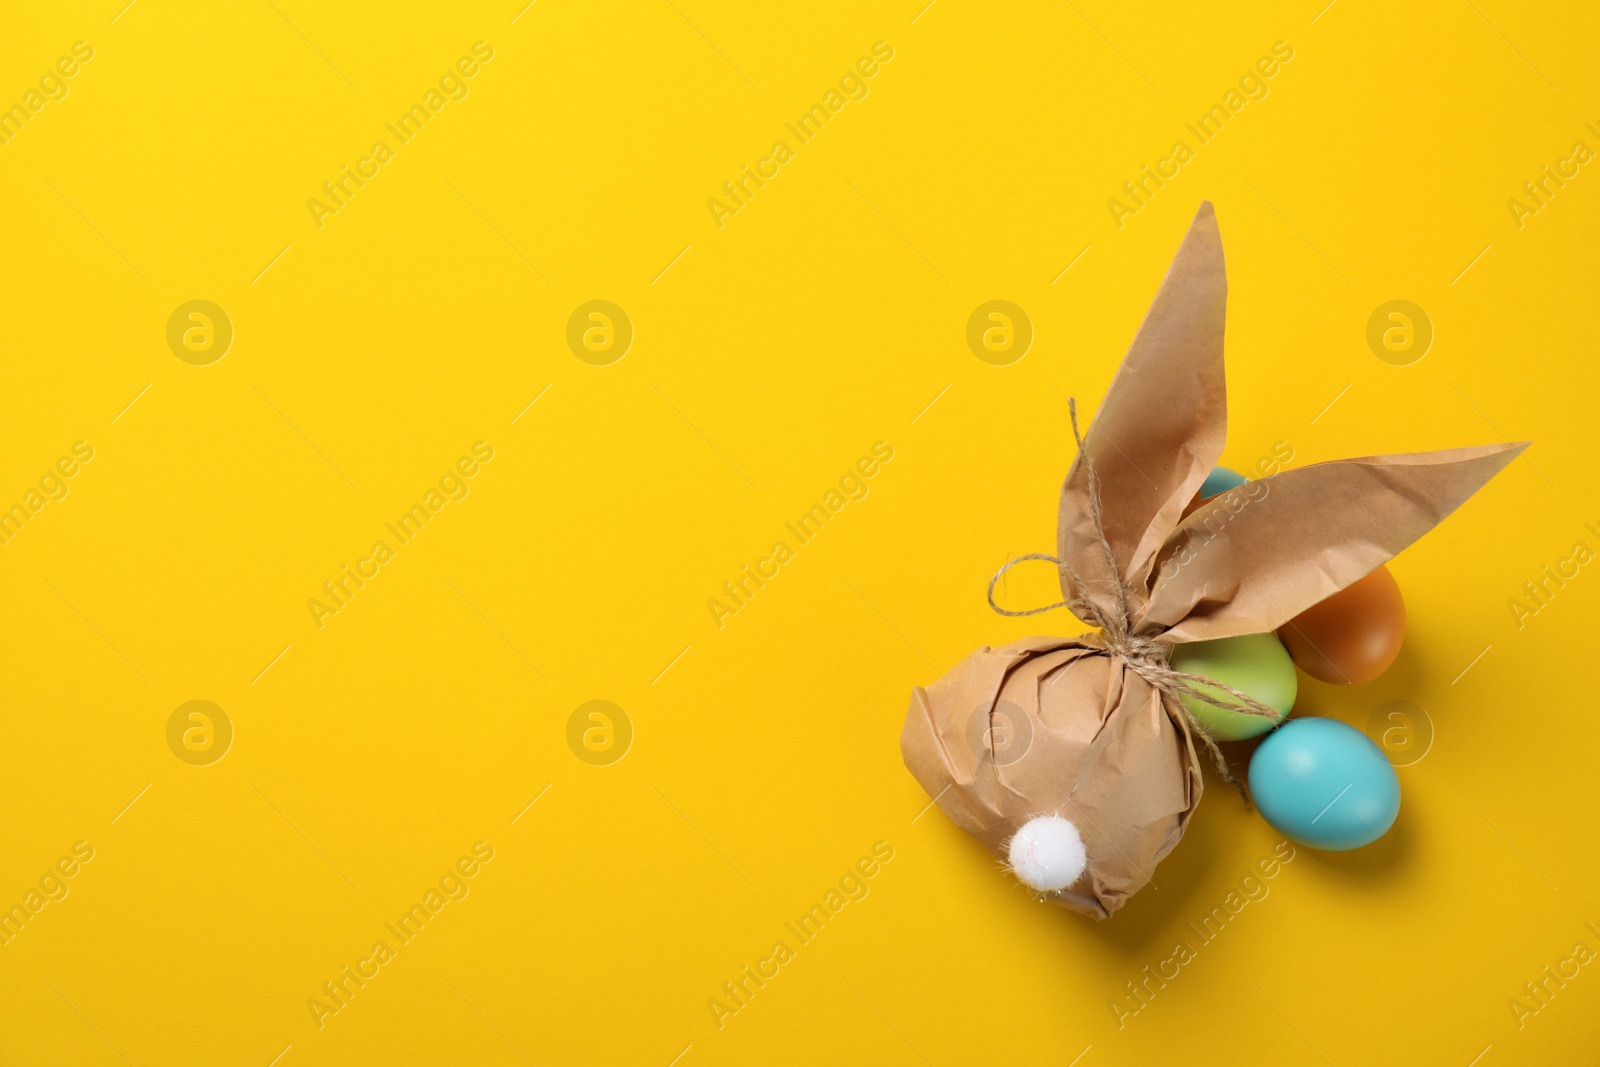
x=1160, y=429
x=1262, y=553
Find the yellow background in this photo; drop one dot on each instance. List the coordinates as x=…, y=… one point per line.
x=768, y=357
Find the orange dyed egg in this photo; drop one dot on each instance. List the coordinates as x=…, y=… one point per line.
x=1354, y=635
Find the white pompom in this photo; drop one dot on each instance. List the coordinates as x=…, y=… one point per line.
x=1047, y=854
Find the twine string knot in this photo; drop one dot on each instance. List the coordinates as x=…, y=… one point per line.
x=1147, y=657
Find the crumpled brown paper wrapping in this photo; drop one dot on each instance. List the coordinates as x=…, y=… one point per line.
x=1058, y=724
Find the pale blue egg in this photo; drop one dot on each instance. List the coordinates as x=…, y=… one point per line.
x=1220, y=480
x=1324, y=784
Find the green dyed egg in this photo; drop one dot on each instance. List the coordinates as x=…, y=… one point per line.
x=1257, y=664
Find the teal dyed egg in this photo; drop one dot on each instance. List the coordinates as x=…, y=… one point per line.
x=1324, y=784
x=1220, y=480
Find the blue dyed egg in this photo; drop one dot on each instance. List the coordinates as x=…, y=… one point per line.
x=1324, y=784
x=1220, y=480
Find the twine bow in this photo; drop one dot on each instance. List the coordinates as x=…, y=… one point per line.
x=1144, y=656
